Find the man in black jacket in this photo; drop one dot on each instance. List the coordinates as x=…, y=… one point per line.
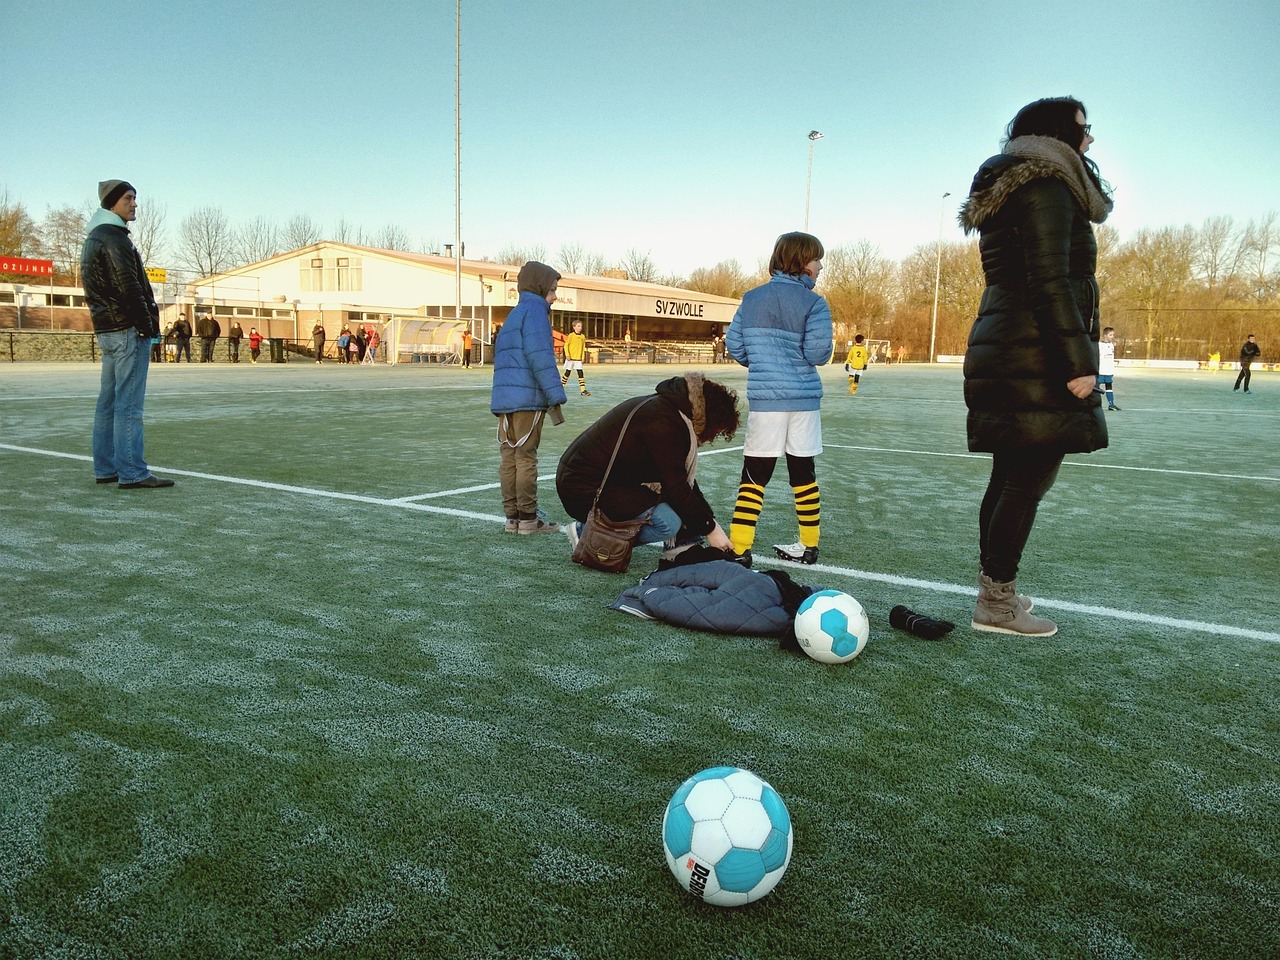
x=125, y=319
x=1249, y=352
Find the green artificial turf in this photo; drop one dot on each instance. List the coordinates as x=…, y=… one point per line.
x=283, y=711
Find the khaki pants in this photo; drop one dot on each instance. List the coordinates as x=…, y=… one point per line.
x=519, y=434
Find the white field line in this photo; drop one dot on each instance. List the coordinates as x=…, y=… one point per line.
x=1091, y=465
x=1198, y=626
x=494, y=486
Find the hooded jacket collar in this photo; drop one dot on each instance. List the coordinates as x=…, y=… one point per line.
x=101, y=216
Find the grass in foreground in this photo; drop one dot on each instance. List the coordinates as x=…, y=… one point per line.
x=244, y=721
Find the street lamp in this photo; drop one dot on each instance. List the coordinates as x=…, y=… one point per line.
x=814, y=137
x=937, y=279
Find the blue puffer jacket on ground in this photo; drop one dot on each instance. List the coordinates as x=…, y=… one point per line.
x=718, y=597
x=525, y=376
x=781, y=333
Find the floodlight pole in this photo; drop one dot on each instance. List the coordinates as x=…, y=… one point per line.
x=814, y=136
x=937, y=280
x=457, y=166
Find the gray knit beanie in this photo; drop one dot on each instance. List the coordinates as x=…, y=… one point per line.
x=110, y=192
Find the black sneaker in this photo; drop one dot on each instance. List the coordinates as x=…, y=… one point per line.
x=796, y=552
x=743, y=558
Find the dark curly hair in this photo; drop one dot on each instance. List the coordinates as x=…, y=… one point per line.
x=722, y=412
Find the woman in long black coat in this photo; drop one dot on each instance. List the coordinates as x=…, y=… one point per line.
x=1032, y=359
x=656, y=465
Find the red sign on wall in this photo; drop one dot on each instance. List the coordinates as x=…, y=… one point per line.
x=26, y=266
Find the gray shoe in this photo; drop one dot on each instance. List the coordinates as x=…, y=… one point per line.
x=537, y=525
x=571, y=531
x=1025, y=602
x=998, y=611
x=513, y=525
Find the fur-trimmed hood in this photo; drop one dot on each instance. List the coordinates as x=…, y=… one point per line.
x=1026, y=159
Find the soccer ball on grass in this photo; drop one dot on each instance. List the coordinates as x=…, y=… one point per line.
x=832, y=627
x=727, y=836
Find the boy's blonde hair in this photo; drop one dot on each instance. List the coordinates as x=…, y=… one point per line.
x=794, y=251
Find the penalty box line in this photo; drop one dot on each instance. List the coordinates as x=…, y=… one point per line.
x=1197, y=626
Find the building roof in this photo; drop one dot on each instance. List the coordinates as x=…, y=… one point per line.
x=476, y=268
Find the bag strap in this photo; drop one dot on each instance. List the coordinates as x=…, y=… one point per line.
x=616, y=447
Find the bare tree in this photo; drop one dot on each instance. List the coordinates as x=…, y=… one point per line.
x=392, y=237
x=19, y=234
x=858, y=283
x=149, y=231
x=725, y=279
x=259, y=239
x=301, y=231
x=62, y=238
x=571, y=257
x=348, y=232
x=640, y=266
x=515, y=254
x=205, y=242
x=1259, y=241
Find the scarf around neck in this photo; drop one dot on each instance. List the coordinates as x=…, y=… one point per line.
x=1043, y=157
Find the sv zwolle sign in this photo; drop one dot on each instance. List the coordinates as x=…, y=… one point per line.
x=677, y=308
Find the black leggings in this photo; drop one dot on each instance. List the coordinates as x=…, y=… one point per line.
x=800, y=470
x=1019, y=480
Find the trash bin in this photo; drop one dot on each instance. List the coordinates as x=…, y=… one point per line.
x=277, y=351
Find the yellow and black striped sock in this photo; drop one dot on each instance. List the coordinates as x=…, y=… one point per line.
x=808, y=509
x=582, y=381
x=564, y=378
x=746, y=512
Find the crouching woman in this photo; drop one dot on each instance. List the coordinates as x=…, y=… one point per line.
x=657, y=462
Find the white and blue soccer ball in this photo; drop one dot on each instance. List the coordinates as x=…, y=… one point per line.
x=832, y=627
x=727, y=836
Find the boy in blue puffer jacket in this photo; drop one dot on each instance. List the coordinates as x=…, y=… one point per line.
x=782, y=334
x=526, y=384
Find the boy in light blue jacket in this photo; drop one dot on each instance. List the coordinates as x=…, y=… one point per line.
x=782, y=334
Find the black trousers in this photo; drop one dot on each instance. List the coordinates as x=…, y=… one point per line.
x=1019, y=481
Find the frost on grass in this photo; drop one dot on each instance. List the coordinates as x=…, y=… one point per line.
x=557, y=865
x=347, y=927
x=569, y=677
x=417, y=735
x=33, y=779
x=419, y=878
x=161, y=850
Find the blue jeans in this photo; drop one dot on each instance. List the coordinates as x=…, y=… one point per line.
x=117, y=421
x=663, y=525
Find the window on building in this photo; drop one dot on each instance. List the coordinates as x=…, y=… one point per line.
x=331, y=273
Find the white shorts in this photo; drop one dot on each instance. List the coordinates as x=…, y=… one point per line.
x=771, y=433
x=573, y=364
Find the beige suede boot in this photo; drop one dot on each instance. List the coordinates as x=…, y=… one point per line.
x=998, y=611
x=1025, y=602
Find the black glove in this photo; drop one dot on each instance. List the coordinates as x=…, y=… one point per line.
x=920, y=625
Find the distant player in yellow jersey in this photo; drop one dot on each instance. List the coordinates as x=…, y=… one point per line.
x=856, y=362
x=575, y=351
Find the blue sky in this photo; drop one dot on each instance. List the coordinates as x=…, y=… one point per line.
x=676, y=127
